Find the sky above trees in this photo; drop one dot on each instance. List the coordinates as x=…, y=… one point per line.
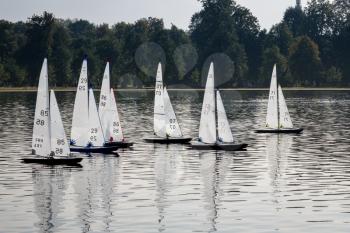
x=177, y=12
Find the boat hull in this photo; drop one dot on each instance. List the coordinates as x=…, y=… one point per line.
x=53, y=161
x=280, y=131
x=102, y=149
x=120, y=144
x=168, y=140
x=219, y=146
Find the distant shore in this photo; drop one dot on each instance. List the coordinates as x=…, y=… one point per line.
x=72, y=89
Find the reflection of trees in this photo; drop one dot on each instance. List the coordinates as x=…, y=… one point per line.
x=49, y=188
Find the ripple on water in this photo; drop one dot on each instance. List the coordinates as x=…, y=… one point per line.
x=282, y=183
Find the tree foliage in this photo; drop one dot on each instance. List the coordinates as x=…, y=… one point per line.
x=310, y=46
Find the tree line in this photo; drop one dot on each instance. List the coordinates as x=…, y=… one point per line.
x=310, y=46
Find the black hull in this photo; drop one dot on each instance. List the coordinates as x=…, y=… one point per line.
x=225, y=147
x=102, y=150
x=120, y=144
x=168, y=140
x=280, y=131
x=53, y=161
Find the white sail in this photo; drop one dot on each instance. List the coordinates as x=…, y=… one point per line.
x=104, y=101
x=79, y=131
x=95, y=130
x=159, y=113
x=41, y=129
x=285, y=120
x=114, y=129
x=59, y=143
x=207, y=127
x=272, y=108
x=224, y=130
x=172, y=125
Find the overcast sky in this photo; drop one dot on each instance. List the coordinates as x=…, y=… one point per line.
x=177, y=12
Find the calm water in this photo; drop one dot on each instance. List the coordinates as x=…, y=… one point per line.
x=284, y=183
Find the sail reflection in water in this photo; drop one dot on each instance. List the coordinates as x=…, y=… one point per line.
x=50, y=185
x=95, y=187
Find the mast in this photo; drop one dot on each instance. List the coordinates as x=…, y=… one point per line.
x=277, y=102
x=216, y=115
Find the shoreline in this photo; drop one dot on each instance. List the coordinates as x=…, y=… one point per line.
x=73, y=89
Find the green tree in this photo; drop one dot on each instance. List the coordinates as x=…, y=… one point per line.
x=305, y=62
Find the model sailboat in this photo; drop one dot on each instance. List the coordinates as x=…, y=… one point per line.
x=108, y=111
x=214, y=129
x=278, y=119
x=86, y=133
x=165, y=126
x=49, y=143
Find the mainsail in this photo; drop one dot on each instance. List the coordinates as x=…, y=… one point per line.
x=207, y=127
x=159, y=112
x=95, y=130
x=224, y=130
x=41, y=130
x=80, y=120
x=59, y=144
x=272, y=108
x=172, y=125
x=104, y=102
x=285, y=120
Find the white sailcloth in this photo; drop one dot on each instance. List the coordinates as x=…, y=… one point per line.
x=172, y=125
x=285, y=120
x=59, y=143
x=41, y=130
x=104, y=101
x=95, y=130
x=79, y=131
x=272, y=107
x=224, y=130
x=114, y=128
x=159, y=112
x=207, y=127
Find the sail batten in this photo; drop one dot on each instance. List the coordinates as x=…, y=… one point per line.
x=59, y=143
x=41, y=129
x=79, y=131
x=207, y=127
x=224, y=130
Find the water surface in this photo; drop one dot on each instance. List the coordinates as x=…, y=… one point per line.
x=282, y=183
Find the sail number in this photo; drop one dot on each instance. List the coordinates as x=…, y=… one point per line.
x=38, y=142
x=59, y=151
x=44, y=113
x=60, y=142
x=81, y=88
x=94, y=130
x=40, y=122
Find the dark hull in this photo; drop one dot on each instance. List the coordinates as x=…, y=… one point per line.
x=120, y=144
x=281, y=131
x=51, y=161
x=168, y=140
x=102, y=150
x=225, y=147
